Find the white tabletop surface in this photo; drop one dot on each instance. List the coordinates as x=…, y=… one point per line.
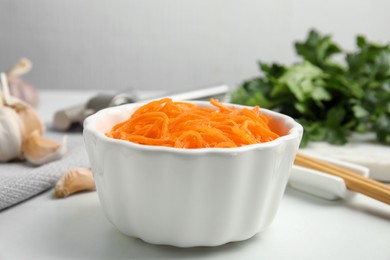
x=305, y=227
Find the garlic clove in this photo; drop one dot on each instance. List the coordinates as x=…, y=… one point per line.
x=31, y=120
x=11, y=129
x=38, y=150
x=75, y=180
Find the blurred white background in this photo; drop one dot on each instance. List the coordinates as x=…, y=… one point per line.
x=171, y=44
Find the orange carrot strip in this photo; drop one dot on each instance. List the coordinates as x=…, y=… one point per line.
x=184, y=125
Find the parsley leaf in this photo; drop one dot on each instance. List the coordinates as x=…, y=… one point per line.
x=330, y=99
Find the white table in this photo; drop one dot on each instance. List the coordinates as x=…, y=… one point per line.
x=306, y=227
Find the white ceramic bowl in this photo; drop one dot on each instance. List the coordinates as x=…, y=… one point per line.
x=189, y=197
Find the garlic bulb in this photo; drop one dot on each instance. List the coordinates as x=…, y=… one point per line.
x=20, y=88
x=10, y=134
x=29, y=117
x=21, y=131
x=23, y=90
x=22, y=67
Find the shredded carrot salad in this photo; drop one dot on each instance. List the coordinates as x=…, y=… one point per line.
x=185, y=125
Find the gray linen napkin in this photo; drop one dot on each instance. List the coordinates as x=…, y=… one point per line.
x=20, y=180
